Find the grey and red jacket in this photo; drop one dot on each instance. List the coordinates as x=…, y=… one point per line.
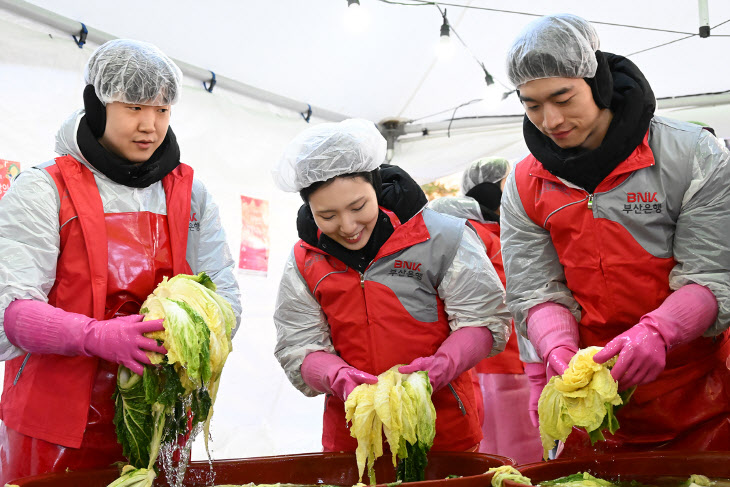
x=430, y=277
x=659, y=221
x=507, y=362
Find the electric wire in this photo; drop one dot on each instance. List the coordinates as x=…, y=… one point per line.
x=453, y=115
x=481, y=64
x=421, y=3
x=681, y=39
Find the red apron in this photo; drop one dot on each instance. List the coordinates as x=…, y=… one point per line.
x=139, y=254
x=616, y=281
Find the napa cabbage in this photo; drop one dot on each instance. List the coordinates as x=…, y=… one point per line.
x=585, y=396
x=175, y=396
x=507, y=472
x=400, y=406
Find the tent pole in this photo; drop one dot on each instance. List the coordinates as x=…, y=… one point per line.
x=686, y=101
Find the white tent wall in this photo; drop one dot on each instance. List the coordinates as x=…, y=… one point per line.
x=231, y=142
x=431, y=157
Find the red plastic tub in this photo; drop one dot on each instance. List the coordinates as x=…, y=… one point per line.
x=308, y=468
x=644, y=467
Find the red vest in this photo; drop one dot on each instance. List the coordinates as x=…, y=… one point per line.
x=50, y=401
x=616, y=281
x=372, y=331
x=508, y=361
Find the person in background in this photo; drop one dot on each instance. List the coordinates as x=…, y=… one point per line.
x=92, y=234
x=378, y=280
x=615, y=233
x=503, y=379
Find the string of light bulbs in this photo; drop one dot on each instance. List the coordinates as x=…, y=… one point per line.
x=444, y=38
x=422, y=3
x=446, y=29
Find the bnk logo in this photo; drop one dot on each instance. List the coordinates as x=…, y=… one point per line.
x=643, y=197
x=402, y=264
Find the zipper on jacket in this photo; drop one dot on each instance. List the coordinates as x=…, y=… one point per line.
x=458, y=400
x=373, y=353
x=590, y=201
x=22, y=366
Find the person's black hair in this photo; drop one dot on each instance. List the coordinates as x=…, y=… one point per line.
x=372, y=177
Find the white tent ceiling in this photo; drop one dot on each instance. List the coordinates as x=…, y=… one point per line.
x=304, y=50
x=388, y=69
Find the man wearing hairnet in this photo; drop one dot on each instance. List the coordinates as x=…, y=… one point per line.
x=511, y=432
x=93, y=232
x=615, y=233
x=378, y=280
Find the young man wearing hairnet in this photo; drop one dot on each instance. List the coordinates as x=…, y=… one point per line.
x=93, y=232
x=378, y=280
x=615, y=233
x=511, y=432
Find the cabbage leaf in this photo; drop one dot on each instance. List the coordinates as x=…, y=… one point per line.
x=586, y=396
x=400, y=406
x=178, y=391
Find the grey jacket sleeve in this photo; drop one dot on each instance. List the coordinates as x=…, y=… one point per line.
x=702, y=235
x=534, y=272
x=213, y=255
x=29, y=239
x=472, y=293
x=301, y=326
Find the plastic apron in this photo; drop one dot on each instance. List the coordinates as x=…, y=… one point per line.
x=140, y=256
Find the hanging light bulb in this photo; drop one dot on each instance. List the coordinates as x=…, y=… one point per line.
x=356, y=19
x=445, y=48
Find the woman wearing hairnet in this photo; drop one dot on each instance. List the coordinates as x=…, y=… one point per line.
x=615, y=233
x=378, y=280
x=93, y=232
x=511, y=432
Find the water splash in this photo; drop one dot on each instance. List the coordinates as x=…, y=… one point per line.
x=174, y=456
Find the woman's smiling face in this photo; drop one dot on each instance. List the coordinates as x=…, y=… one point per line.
x=346, y=210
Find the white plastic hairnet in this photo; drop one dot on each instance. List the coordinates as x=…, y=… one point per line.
x=327, y=150
x=554, y=46
x=134, y=72
x=484, y=170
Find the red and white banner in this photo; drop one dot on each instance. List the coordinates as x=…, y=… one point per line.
x=9, y=170
x=254, y=256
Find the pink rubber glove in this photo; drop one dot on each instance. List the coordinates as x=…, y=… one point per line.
x=38, y=327
x=553, y=331
x=642, y=349
x=537, y=377
x=461, y=351
x=327, y=372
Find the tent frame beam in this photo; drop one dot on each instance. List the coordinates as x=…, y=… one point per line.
x=96, y=36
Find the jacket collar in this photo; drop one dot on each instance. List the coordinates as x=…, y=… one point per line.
x=640, y=158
